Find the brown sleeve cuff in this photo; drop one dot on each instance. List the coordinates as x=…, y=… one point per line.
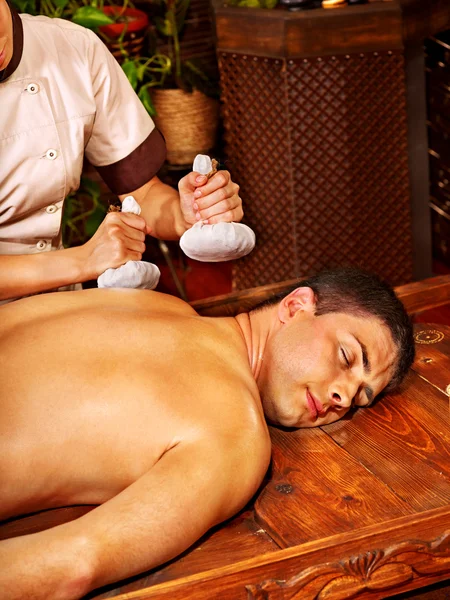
x=133, y=171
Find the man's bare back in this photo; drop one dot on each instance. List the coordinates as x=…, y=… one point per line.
x=100, y=385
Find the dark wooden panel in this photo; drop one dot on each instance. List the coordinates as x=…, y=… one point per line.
x=424, y=17
x=318, y=489
x=281, y=34
x=418, y=158
x=250, y=31
x=423, y=295
x=348, y=30
x=372, y=27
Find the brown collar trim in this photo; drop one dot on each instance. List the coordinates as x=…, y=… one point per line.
x=17, y=44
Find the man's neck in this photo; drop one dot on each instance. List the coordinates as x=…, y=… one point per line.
x=256, y=327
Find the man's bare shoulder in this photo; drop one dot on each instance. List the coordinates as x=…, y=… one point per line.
x=235, y=448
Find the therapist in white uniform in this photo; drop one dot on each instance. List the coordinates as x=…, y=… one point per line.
x=63, y=96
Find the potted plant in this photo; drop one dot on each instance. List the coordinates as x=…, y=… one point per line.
x=186, y=99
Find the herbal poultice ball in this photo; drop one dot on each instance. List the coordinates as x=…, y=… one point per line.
x=220, y=242
x=136, y=274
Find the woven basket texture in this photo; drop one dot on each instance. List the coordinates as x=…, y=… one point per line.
x=188, y=123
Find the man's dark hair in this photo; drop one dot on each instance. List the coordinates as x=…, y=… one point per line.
x=361, y=294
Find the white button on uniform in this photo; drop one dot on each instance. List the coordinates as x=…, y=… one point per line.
x=41, y=244
x=51, y=209
x=51, y=154
x=32, y=88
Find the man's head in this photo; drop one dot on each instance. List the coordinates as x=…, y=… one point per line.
x=6, y=35
x=340, y=338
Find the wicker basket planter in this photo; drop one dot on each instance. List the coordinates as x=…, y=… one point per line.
x=188, y=123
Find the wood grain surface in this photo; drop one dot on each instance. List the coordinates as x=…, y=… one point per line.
x=404, y=441
x=319, y=489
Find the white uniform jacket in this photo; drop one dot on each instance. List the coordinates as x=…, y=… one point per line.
x=64, y=96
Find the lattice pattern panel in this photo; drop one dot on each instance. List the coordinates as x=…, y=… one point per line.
x=256, y=118
x=319, y=147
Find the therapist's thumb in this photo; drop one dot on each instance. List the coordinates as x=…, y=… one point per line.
x=190, y=182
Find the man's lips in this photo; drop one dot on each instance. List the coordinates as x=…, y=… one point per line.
x=314, y=405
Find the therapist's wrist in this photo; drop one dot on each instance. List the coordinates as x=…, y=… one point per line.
x=77, y=265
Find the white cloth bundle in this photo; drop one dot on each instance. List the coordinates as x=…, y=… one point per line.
x=220, y=242
x=134, y=273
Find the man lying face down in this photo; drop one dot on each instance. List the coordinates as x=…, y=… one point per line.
x=130, y=400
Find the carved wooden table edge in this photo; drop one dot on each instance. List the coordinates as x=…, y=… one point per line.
x=356, y=564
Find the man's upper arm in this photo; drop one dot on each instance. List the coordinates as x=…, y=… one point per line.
x=191, y=488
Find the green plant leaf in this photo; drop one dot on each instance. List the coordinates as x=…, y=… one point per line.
x=129, y=67
x=140, y=71
x=159, y=63
x=270, y=3
x=146, y=100
x=91, y=17
x=61, y=4
x=26, y=6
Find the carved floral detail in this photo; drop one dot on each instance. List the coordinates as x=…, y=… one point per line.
x=374, y=570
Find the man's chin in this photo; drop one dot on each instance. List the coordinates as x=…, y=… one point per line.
x=288, y=421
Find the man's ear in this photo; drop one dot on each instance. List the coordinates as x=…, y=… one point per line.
x=301, y=299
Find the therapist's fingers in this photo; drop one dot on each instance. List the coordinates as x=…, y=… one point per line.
x=119, y=238
x=219, y=180
x=126, y=233
x=190, y=182
x=218, y=200
x=221, y=200
x=133, y=225
x=186, y=188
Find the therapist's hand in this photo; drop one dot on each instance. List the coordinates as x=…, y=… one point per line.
x=119, y=238
x=215, y=200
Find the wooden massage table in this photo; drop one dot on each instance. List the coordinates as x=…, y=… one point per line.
x=356, y=509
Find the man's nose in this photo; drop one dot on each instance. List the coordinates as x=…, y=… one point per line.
x=342, y=393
